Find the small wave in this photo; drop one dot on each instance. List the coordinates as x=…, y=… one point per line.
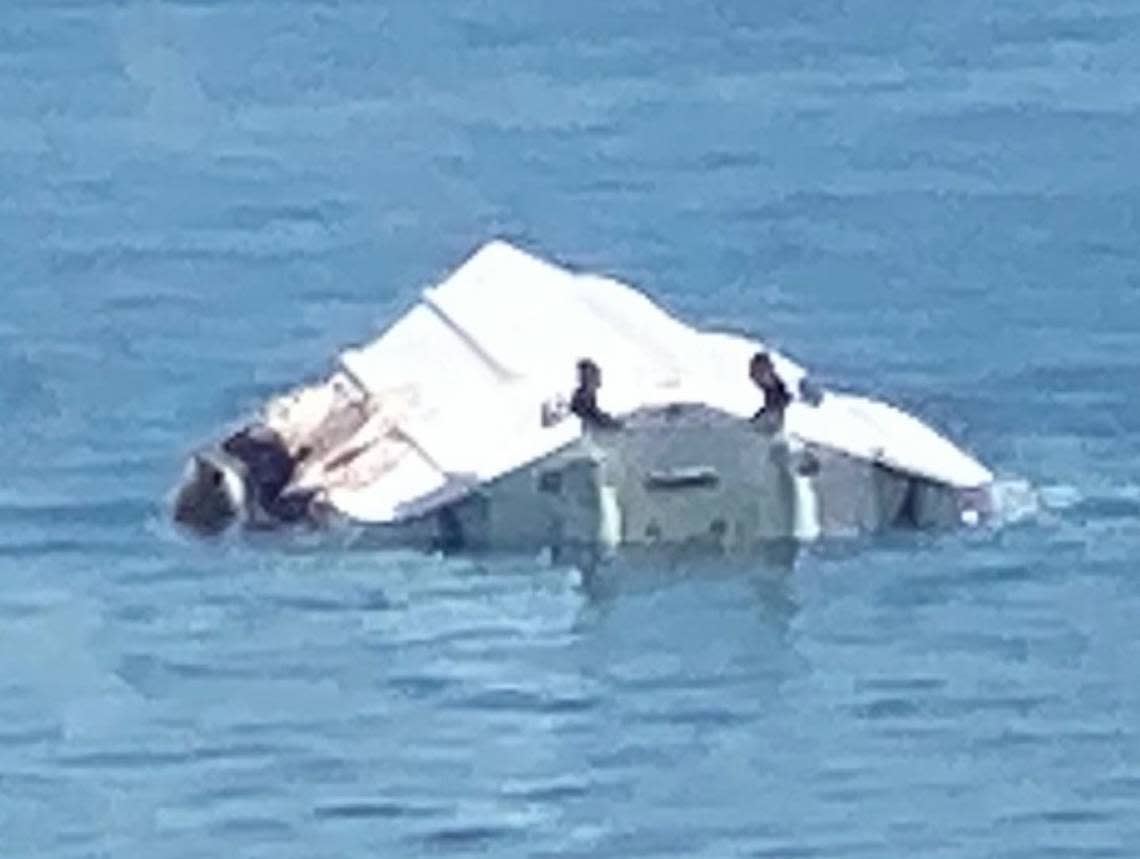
x=376, y=810
x=477, y=837
x=1015, y=500
x=1060, y=497
x=1109, y=505
x=99, y=512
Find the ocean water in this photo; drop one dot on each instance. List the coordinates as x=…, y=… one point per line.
x=201, y=201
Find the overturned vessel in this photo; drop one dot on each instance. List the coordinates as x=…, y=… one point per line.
x=453, y=429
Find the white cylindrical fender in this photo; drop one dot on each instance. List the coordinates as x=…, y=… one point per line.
x=805, y=500
x=609, y=520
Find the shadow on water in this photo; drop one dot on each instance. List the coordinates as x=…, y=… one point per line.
x=674, y=592
x=605, y=577
x=684, y=577
x=767, y=567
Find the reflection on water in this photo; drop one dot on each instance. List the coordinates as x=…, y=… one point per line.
x=767, y=565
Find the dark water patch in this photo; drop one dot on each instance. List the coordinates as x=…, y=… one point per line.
x=311, y=604
x=855, y=794
x=29, y=782
x=255, y=827
x=329, y=297
x=241, y=751
x=842, y=773
x=120, y=257
x=377, y=810
x=634, y=756
x=507, y=699
x=87, y=457
x=246, y=166
x=566, y=705
x=136, y=613
x=153, y=676
x=153, y=302
x=41, y=549
x=324, y=214
x=233, y=792
x=1061, y=816
x=1010, y=738
x=144, y=673
x=118, y=760
x=303, y=728
x=1022, y=706
x=1118, y=251
x=698, y=717
x=1069, y=379
x=476, y=634
x=1005, y=575
x=919, y=730
x=1029, y=122
x=311, y=768
x=79, y=841
x=920, y=591
x=1074, y=851
x=101, y=512
x=1005, y=646
x=613, y=186
x=473, y=838
x=91, y=189
x=902, y=684
x=419, y=685
x=848, y=639
x=31, y=736
x=888, y=708
x=1119, y=787
x=556, y=793
x=1104, y=508
x=730, y=159
x=792, y=850
x=1110, y=736
x=1089, y=28
x=166, y=573
x=702, y=684
x=647, y=841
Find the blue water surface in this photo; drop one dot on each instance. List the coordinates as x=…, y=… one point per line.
x=201, y=201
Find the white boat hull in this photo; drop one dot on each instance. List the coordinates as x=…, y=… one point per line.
x=722, y=487
x=450, y=431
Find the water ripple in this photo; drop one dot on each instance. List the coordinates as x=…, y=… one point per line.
x=372, y=810
x=202, y=202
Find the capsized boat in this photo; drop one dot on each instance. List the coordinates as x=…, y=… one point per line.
x=452, y=430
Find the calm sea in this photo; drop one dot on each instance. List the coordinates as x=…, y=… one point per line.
x=200, y=202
